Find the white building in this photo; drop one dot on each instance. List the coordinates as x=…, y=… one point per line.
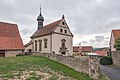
x=115, y=34
x=55, y=37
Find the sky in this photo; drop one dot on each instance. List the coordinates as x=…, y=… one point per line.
x=90, y=21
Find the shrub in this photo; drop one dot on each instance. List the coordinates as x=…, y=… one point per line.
x=106, y=60
x=19, y=54
x=117, y=44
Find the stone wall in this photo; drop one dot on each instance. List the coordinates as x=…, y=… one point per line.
x=86, y=64
x=79, y=64
x=116, y=57
x=12, y=53
x=94, y=69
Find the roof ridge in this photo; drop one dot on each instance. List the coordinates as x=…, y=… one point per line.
x=52, y=22
x=7, y=23
x=47, y=29
x=115, y=29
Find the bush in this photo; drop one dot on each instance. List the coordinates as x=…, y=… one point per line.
x=117, y=44
x=106, y=60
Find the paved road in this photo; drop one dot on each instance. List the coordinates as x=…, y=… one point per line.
x=112, y=73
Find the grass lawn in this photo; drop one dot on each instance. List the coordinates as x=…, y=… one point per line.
x=36, y=68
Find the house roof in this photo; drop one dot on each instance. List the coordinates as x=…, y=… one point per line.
x=47, y=29
x=29, y=43
x=87, y=48
x=76, y=49
x=82, y=49
x=9, y=37
x=92, y=54
x=101, y=53
x=116, y=33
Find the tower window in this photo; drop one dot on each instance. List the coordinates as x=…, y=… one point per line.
x=45, y=43
x=65, y=31
x=61, y=30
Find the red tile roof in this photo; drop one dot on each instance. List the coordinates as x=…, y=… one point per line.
x=82, y=49
x=116, y=33
x=9, y=37
x=101, y=53
x=76, y=49
x=87, y=48
x=47, y=29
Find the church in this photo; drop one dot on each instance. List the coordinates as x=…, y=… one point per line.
x=55, y=37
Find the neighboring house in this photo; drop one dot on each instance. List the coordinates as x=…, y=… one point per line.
x=115, y=34
x=55, y=37
x=101, y=53
x=28, y=46
x=77, y=50
x=10, y=41
x=82, y=50
x=87, y=49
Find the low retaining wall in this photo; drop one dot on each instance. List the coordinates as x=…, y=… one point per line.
x=86, y=64
x=116, y=57
x=13, y=53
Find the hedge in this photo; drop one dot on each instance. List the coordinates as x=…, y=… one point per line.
x=106, y=60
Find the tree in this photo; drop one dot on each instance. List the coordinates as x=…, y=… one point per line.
x=117, y=44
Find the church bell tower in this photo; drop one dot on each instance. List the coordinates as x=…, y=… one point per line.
x=40, y=20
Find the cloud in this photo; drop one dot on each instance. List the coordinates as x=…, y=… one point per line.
x=26, y=31
x=84, y=42
x=99, y=41
x=84, y=17
x=99, y=38
x=91, y=41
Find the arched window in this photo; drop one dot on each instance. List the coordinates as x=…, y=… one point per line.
x=45, y=43
x=40, y=45
x=35, y=45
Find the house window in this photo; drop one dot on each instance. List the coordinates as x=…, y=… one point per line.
x=61, y=30
x=65, y=31
x=35, y=45
x=45, y=43
x=40, y=45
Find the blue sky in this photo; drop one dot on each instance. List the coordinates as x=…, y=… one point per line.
x=91, y=21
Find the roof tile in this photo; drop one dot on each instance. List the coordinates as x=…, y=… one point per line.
x=10, y=37
x=116, y=33
x=47, y=29
x=87, y=48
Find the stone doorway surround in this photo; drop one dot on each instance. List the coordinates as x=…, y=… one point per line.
x=63, y=48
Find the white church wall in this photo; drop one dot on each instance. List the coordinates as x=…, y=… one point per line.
x=44, y=50
x=63, y=27
x=56, y=43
